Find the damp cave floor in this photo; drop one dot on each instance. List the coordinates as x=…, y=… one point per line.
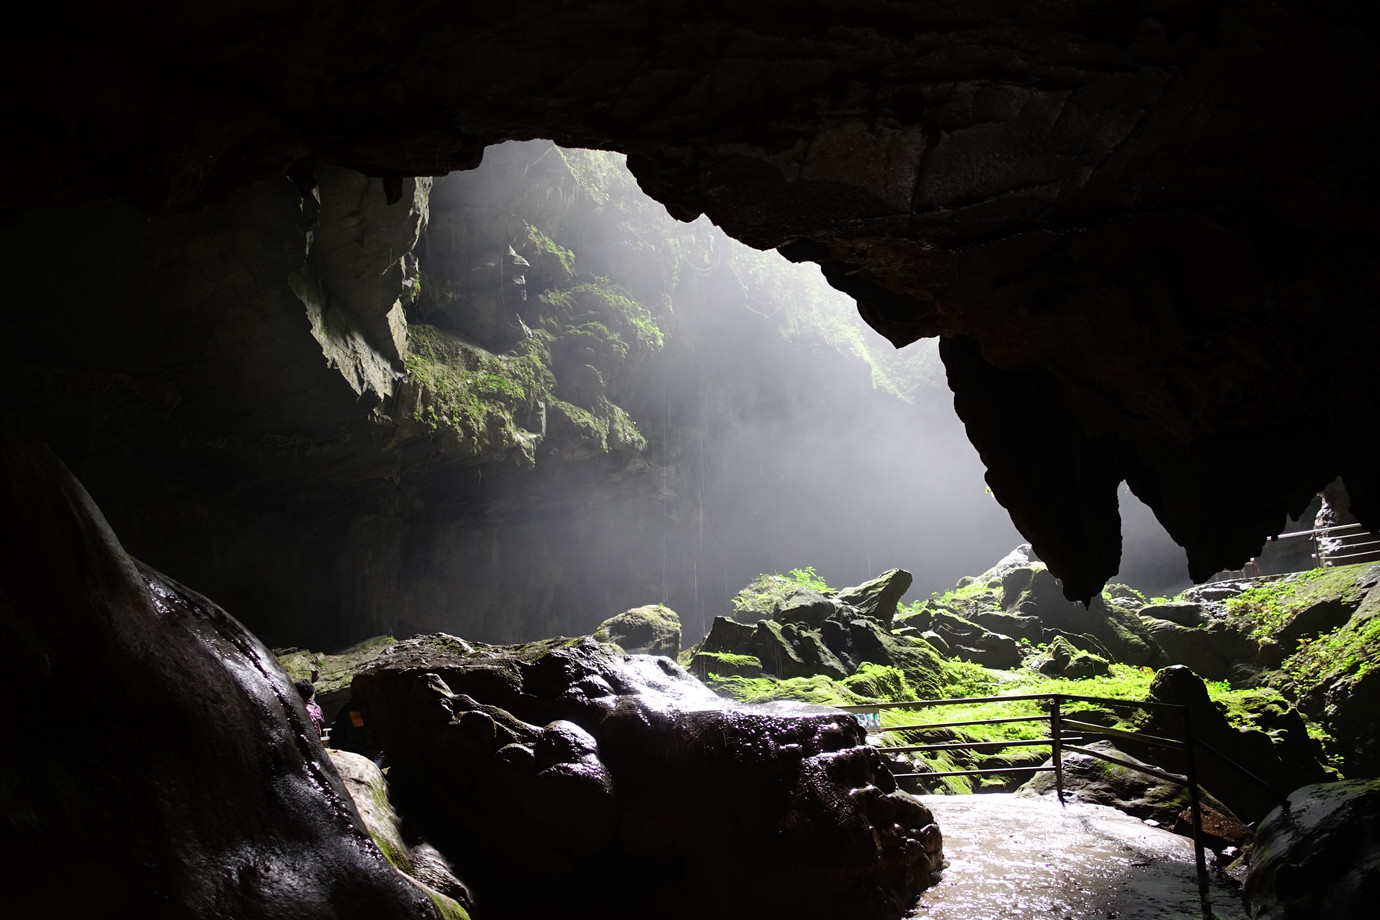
x=1028, y=858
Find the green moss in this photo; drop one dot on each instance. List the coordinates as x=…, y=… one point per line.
x=396, y=860
x=1350, y=652
x=735, y=661
x=470, y=396
x=612, y=429
x=1267, y=608
x=618, y=308
x=815, y=689
x=766, y=593
x=449, y=908
x=880, y=682
x=543, y=242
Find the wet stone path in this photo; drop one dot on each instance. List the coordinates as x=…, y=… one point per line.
x=1028, y=858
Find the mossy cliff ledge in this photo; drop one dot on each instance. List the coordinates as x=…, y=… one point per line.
x=573, y=756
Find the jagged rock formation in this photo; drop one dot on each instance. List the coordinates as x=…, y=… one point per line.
x=536, y=768
x=198, y=788
x=803, y=633
x=1140, y=266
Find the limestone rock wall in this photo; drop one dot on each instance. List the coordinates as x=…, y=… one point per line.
x=1144, y=216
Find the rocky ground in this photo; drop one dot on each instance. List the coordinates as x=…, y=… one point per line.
x=1285, y=660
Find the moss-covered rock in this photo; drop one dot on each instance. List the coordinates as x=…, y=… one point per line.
x=877, y=597
x=653, y=629
x=1061, y=659
x=706, y=665
x=473, y=404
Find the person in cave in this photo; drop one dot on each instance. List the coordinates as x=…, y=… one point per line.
x=307, y=690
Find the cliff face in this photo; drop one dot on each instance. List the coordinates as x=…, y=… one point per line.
x=508, y=407
x=1144, y=217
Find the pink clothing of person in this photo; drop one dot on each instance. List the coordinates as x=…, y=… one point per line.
x=318, y=718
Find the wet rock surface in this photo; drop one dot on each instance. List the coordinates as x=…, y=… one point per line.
x=535, y=768
x=1011, y=857
x=1318, y=855
x=1165, y=804
x=199, y=789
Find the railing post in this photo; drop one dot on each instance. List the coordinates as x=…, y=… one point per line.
x=1195, y=803
x=1056, y=747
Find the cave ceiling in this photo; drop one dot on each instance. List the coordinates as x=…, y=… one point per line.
x=1143, y=231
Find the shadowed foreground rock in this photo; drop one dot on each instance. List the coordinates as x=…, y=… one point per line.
x=1319, y=855
x=198, y=788
x=563, y=779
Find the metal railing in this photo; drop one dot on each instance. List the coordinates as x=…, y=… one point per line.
x=1343, y=544
x=1061, y=741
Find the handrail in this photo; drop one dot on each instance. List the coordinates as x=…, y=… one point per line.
x=1337, y=535
x=1058, y=743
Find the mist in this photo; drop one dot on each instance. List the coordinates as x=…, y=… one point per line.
x=774, y=429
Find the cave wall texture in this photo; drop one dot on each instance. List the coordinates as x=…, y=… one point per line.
x=1143, y=231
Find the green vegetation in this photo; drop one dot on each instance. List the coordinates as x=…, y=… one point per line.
x=725, y=664
x=814, y=689
x=610, y=430
x=766, y=593
x=1268, y=607
x=611, y=300
x=880, y=682
x=541, y=241
x=1346, y=653
x=470, y=397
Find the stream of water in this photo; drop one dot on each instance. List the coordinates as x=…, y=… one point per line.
x=1033, y=860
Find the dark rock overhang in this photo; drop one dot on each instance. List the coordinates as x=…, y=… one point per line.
x=1144, y=231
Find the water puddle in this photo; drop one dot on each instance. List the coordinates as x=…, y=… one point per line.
x=1031, y=859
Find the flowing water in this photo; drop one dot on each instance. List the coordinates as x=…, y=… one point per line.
x=1031, y=859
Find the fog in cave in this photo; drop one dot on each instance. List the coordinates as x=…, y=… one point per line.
x=781, y=431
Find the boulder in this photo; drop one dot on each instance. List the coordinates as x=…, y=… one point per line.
x=1062, y=659
x=1182, y=613
x=653, y=629
x=1009, y=624
x=1022, y=557
x=726, y=635
x=1350, y=704
x=807, y=608
x=725, y=664
x=201, y=790
x=971, y=642
x=1212, y=651
x=782, y=651
x=1328, y=614
x=562, y=755
x=877, y=599
x=1276, y=769
x=1318, y=855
